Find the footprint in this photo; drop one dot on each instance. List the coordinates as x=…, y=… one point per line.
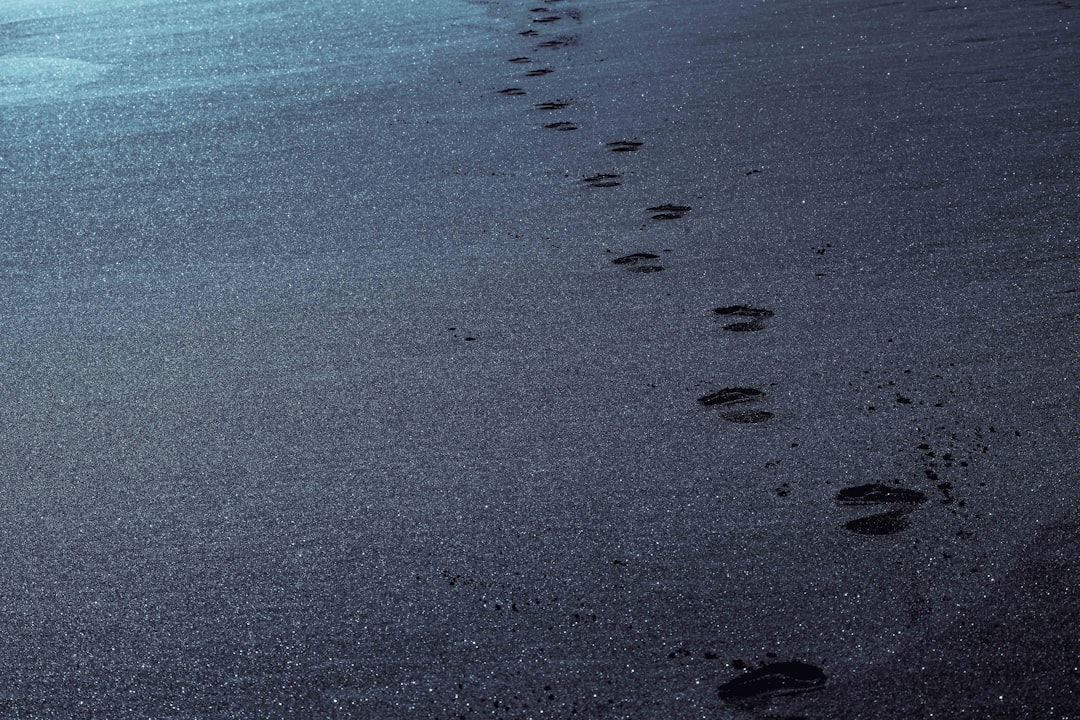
x=528, y=33
x=756, y=321
x=885, y=523
x=602, y=180
x=875, y=493
x=511, y=91
x=624, y=145
x=546, y=19
x=553, y=105
x=668, y=212
x=781, y=678
x=635, y=258
x=538, y=72
x=520, y=59
x=639, y=262
x=561, y=126
x=730, y=396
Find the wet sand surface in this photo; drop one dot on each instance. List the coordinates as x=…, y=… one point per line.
x=726, y=368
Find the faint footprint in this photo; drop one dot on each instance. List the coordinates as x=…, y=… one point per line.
x=561, y=41
x=562, y=125
x=668, y=212
x=624, y=145
x=602, y=180
x=756, y=317
x=781, y=678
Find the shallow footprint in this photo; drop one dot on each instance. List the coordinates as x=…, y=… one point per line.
x=885, y=523
x=781, y=678
x=730, y=396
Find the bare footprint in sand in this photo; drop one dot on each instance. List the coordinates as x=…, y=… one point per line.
x=624, y=145
x=756, y=317
x=736, y=396
x=602, y=180
x=642, y=262
x=885, y=523
x=775, y=679
x=668, y=212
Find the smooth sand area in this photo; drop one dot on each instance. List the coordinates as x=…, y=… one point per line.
x=616, y=359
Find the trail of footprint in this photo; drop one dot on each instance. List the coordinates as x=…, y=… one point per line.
x=624, y=145
x=639, y=262
x=885, y=523
x=781, y=678
x=756, y=321
x=668, y=212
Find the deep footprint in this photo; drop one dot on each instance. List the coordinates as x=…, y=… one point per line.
x=885, y=523
x=875, y=493
x=511, y=91
x=782, y=678
x=730, y=396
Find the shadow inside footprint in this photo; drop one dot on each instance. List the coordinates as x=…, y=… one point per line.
x=885, y=523
x=781, y=678
x=730, y=396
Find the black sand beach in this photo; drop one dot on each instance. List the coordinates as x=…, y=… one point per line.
x=576, y=359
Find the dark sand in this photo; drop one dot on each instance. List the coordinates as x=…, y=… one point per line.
x=337, y=404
